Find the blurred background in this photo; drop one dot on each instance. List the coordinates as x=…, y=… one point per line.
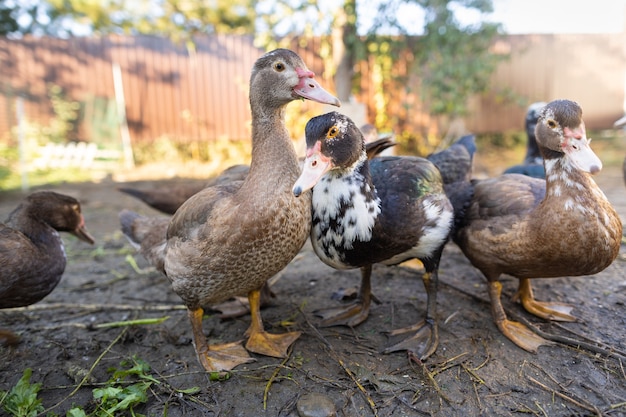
x=140, y=89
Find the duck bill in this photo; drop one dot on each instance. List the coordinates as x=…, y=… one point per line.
x=315, y=166
x=577, y=148
x=310, y=89
x=82, y=233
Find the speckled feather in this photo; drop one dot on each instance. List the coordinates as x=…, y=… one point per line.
x=511, y=229
x=402, y=203
x=223, y=242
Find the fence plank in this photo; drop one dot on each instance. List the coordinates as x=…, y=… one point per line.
x=203, y=96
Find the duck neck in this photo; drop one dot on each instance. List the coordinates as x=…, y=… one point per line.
x=38, y=231
x=564, y=180
x=273, y=154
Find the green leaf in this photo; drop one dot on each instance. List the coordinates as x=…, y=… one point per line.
x=75, y=412
x=22, y=400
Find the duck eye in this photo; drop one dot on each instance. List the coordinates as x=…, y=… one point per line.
x=332, y=132
x=551, y=124
x=279, y=66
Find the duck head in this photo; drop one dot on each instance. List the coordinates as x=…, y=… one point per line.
x=530, y=123
x=333, y=142
x=61, y=212
x=561, y=132
x=286, y=78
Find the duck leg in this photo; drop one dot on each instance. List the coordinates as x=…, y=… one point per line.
x=519, y=334
x=261, y=342
x=424, y=337
x=215, y=358
x=545, y=310
x=239, y=306
x=355, y=312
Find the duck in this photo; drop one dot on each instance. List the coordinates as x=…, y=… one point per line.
x=168, y=199
x=32, y=254
x=147, y=235
x=229, y=239
x=533, y=161
x=386, y=210
x=533, y=228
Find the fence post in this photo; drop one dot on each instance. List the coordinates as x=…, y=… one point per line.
x=127, y=148
x=19, y=114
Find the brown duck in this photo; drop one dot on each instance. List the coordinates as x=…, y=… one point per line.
x=533, y=228
x=32, y=254
x=229, y=239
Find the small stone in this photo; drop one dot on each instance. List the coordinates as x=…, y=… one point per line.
x=316, y=405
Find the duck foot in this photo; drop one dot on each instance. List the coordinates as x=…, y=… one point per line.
x=354, y=313
x=421, y=343
x=224, y=357
x=545, y=310
x=269, y=344
x=522, y=336
x=350, y=315
x=549, y=311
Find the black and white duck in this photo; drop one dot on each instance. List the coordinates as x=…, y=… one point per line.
x=386, y=210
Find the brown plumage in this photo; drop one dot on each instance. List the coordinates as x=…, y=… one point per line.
x=32, y=255
x=169, y=199
x=229, y=239
x=531, y=228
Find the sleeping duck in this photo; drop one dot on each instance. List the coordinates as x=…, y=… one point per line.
x=533, y=161
x=532, y=228
x=229, y=239
x=32, y=254
x=385, y=210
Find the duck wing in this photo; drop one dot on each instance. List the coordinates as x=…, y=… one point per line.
x=510, y=194
x=455, y=162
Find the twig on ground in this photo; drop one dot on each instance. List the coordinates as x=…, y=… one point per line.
x=95, y=307
x=588, y=407
x=335, y=356
x=424, y=371
x=88, y=374
x=592, y=347
x=273, y=377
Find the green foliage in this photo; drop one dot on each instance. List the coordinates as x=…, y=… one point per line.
x=22, y=400
x=8, y=21
x=127, y=388
x=61, y=129
x=179, y=20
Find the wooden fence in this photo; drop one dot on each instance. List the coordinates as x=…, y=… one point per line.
x=202, y=95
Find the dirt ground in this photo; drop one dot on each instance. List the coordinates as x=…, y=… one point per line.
x=475, y=371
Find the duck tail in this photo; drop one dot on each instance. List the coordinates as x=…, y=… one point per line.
x=127, y=223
